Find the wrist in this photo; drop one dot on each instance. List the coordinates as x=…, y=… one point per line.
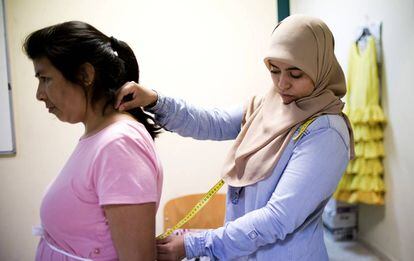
x=182, y=252
x=153, y=101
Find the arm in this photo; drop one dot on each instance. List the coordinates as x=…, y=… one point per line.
x=178, y=116
x=187, y=120
x=132, y=230
x=128, y=181
x=314, y=169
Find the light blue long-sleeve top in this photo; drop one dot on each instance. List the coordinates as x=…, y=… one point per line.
x=278, y=218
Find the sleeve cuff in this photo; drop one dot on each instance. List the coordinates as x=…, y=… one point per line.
x=153, y=108
x=194, y=244
x=162, y=109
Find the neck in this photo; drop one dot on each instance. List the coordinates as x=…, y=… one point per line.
x=95, y=120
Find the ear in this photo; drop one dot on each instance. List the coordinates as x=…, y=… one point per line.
x=87, y=74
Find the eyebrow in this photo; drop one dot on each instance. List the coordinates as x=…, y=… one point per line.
x=288, y=69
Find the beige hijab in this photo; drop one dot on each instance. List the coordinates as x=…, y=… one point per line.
x=269, y=124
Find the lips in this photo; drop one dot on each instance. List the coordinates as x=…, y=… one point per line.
x=50, y=107
x=286, y=95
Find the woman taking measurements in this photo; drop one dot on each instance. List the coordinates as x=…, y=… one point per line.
x=280, y=176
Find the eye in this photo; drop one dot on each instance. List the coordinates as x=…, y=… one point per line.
x=44, y=79
x=296, y=74
x=274, y=69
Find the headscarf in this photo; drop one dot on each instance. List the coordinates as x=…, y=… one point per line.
x=268, y=124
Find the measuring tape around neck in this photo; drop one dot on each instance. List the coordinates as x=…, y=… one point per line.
x=302, y=128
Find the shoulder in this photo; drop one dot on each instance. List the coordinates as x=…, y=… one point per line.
x=126, y=143
x=127, y=128
x=332, y=124
x=123, y=134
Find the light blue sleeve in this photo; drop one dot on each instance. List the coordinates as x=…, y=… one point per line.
x=310, y=177
x=188, y=120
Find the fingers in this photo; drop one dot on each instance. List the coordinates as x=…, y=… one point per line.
x=166, y=257
x=127, y=105
x=165, y=252
x=126, y=89
x=132, y=95
x=164, y=249
x=164, y=240
x=170, y=248
x=163, y=246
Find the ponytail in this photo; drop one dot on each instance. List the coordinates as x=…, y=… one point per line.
x=131, y=68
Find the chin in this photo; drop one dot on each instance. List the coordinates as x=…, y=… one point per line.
x=70, y=121
x=287, y=101
x=62, y=119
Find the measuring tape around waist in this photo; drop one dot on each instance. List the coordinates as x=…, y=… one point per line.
x=200, y=204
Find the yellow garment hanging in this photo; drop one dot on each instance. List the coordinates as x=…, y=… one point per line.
x=363, y=181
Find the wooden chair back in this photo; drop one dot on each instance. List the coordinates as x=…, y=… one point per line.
x=211, y=216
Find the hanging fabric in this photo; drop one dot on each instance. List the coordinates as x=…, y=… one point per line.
x=363, y=180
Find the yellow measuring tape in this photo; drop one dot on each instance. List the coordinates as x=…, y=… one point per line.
x=302, y=128
x=203, y=201
x=200, y=204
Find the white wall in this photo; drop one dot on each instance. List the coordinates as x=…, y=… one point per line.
x=209, y=52
x=390, y=229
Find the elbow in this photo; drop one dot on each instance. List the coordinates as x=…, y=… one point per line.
x=280, y=223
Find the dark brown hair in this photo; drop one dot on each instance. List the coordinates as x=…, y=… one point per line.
x=71, y=44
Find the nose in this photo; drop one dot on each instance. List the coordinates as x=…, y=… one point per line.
x=40, y=93
x=284, y=82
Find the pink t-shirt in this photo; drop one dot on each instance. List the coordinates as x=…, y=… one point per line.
x=117, y=165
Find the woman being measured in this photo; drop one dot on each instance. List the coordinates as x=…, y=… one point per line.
x=291, y=148
x=102, y=204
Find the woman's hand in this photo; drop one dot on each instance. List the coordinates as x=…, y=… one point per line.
x=171, y=248
x=139, y=96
